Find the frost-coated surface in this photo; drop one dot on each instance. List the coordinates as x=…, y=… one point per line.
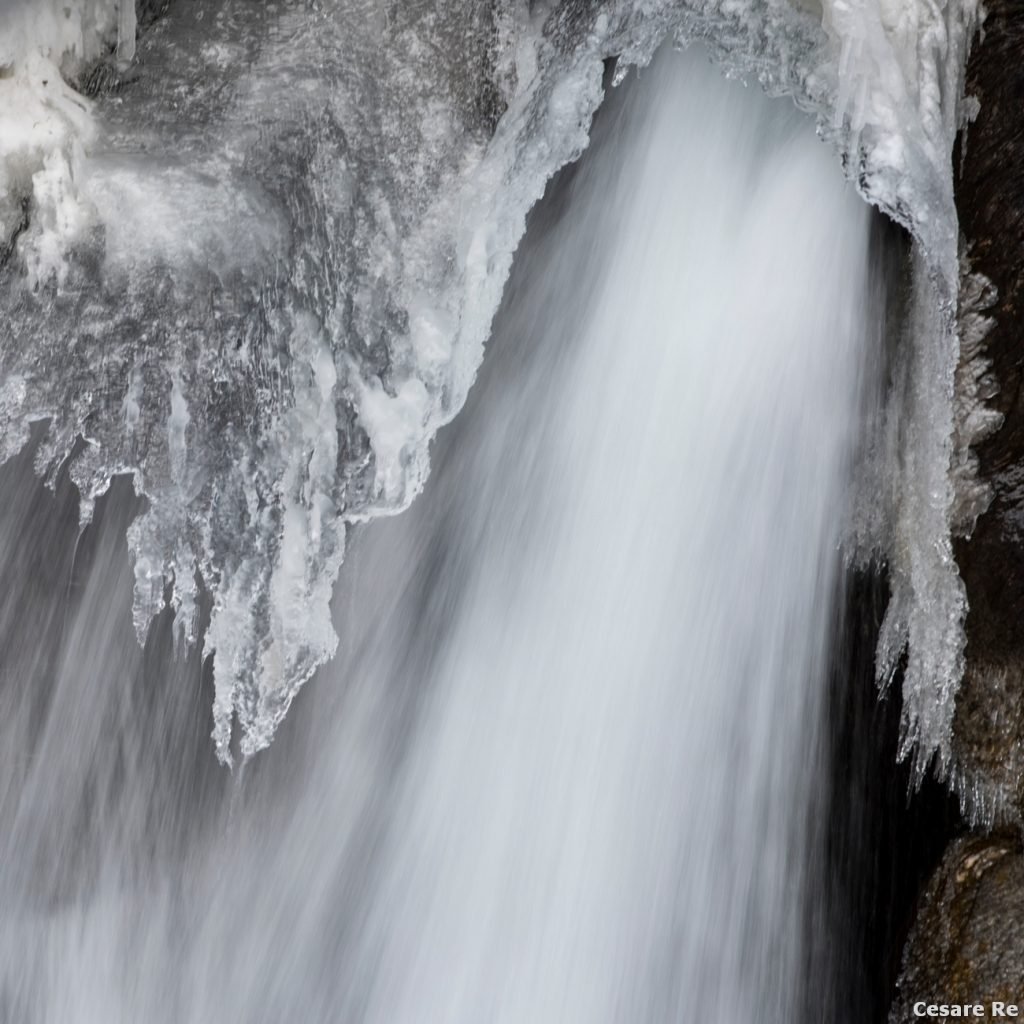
x=257, y=267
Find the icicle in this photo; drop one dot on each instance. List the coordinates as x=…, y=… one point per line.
x=126, y=24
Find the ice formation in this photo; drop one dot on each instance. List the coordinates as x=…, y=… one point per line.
x=257, y=267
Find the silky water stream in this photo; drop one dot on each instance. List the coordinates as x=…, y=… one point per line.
x=564, y=767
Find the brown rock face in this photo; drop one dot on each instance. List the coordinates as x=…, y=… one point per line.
x=989, y=723
x=967, y=945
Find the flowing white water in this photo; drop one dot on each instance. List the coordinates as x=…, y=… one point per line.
x=564, y=767
x=603, y=812
x=331, y=196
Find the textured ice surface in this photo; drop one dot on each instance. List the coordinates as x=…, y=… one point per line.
x=258, y=267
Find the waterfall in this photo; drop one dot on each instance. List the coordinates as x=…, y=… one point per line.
x=254, y=264
x=603, y=815
x=564, y=766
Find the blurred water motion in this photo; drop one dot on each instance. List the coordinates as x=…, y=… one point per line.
x=564, y=765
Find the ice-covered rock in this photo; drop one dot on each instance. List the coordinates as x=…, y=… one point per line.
x=257, y=271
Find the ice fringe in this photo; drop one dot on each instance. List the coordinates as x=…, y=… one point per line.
x=294, y=296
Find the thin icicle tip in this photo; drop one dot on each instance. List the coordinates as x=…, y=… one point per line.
x=126, y=29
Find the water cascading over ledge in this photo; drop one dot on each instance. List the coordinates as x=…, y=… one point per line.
x=264, y=319
x=566, y=764
x=322, y=311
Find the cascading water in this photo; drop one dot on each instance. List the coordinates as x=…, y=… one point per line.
x=603, y=817
x=250, y=254
x=564, y=765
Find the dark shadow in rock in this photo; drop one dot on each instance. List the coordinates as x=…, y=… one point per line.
x=882, y=842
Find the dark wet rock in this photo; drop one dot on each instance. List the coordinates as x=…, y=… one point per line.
x=989, y=741
x=967, y=945
x=989, y=725
x=882, y=849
